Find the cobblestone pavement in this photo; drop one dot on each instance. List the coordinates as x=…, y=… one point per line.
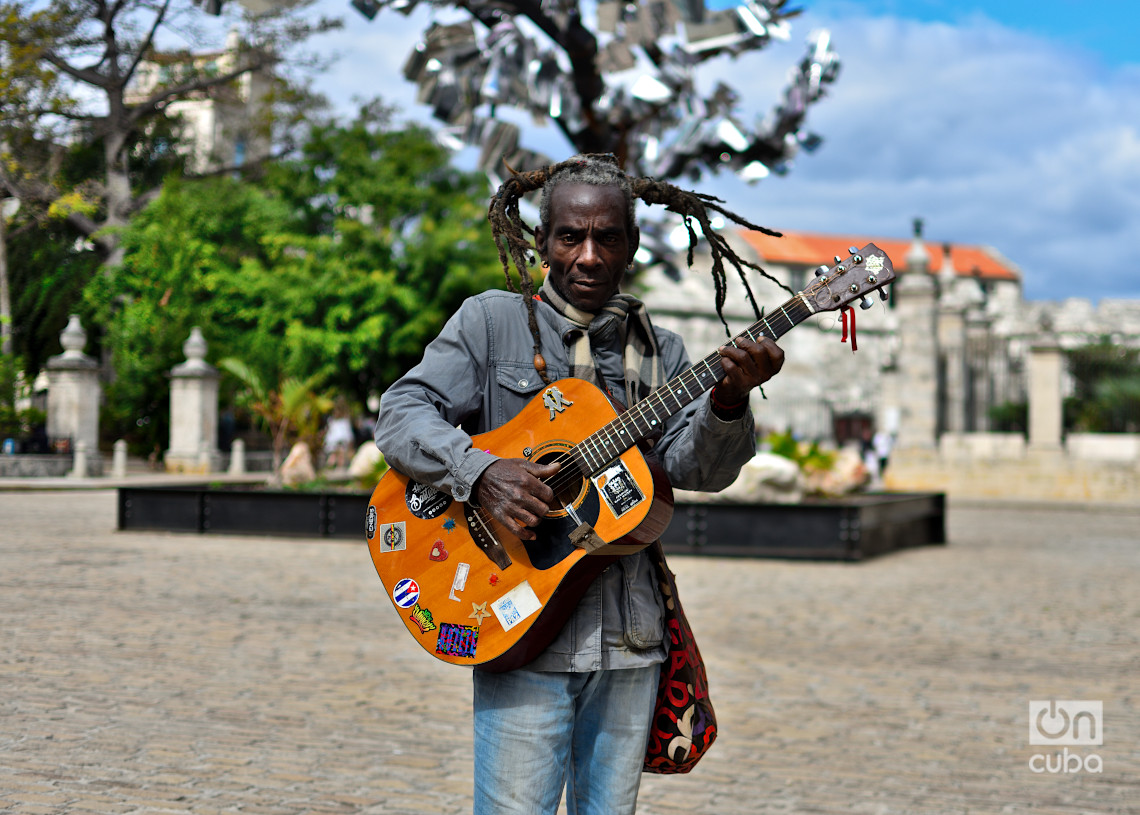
x=155, y=673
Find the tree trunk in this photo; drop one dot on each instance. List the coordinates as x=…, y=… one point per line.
x=118, y=194
x=5, y=299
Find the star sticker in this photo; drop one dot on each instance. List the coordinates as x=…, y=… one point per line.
x=478, y=612
x=449, y=524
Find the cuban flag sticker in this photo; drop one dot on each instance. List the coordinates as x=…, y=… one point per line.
x=406, y=593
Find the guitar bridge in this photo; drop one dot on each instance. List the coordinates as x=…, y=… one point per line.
x=484, y=537
x=584, y=537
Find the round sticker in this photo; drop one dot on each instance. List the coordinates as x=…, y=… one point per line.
x=406, y=593
x=425, y=501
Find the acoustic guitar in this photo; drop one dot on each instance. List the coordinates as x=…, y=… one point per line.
x=469, y=592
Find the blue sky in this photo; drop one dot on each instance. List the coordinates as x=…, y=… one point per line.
x=1009, y=124
x=1100, y=28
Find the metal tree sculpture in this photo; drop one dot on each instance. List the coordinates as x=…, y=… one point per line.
x=626, y=88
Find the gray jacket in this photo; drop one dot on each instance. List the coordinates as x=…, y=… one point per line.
x=476, y=376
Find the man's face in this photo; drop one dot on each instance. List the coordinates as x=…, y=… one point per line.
x=587, y=245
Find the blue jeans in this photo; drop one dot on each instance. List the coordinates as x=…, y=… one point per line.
x=536, y=732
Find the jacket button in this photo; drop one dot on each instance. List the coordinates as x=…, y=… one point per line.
x=523, y=383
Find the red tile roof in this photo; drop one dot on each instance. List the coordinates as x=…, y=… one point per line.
x=811, y=249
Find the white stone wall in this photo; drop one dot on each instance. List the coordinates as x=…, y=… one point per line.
x=821, y=377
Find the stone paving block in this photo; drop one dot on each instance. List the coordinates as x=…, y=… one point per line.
x=177, y=673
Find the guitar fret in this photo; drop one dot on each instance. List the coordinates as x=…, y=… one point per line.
x=614, y=447
x=584, y=450
x=597, y=451
x=791, y=322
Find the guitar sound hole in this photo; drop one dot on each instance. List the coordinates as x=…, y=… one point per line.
x=568, y=484
x=571, y=488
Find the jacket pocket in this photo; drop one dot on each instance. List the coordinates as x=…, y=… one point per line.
x=517, y=384
x=644, y=618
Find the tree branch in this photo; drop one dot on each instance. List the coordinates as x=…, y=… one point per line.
x=66, y=114
x=144, y=47
x=581, y=47
x=88, y=76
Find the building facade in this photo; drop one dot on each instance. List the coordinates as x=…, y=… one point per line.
x=949, y=345
x=222, y=127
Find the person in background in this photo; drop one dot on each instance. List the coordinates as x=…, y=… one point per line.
x=339, y=436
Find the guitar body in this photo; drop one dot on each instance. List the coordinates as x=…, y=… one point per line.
x=469, y=592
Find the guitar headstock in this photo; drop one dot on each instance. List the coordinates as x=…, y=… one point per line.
x=863, y=271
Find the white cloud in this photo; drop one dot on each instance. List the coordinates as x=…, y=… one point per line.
x=992, y=135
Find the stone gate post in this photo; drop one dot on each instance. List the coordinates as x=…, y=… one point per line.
x=73, y=397
x=916, y=304
x=193, y=411
x=1046, y=367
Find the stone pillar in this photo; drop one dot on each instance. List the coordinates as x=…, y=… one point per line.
x=981, y=362
x=916, y=306
x=952, y=351
x=1046, y=368
x=193, y=411
x=79, y=467
x=73, y=396
x=237, y=457
x=119, y=459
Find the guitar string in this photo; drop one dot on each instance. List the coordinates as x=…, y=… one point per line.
x=596, y=443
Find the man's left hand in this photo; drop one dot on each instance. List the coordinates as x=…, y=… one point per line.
x=747, y=365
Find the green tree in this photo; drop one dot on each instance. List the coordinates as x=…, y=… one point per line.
x=336, y=269
x=291, y=408
x=401, y=239
x=97, y=79
x=1106, y=392
x=90, y=93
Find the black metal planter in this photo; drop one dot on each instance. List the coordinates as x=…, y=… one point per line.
x=243, y=512
x=850, y=528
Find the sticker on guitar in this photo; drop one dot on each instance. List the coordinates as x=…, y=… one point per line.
x=425, y=501
x=393, y=537
x=457, y=640
x=555, y=401
x=516, y=605
x=619, y=489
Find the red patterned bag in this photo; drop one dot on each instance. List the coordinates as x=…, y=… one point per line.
x=684, y=723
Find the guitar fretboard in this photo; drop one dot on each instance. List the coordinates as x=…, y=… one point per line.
x=648, y=416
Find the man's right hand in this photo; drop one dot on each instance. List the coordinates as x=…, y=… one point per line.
x=512, y=490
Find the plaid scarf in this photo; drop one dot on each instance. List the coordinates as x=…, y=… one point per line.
x=641, y=358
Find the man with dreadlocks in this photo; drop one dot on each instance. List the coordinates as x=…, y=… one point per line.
x=579, y=714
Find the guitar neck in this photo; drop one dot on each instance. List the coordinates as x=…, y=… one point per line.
x=648, y=416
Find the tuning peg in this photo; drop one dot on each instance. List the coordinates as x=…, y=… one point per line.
x=821, y=271
x=866, y=303
x=852, y=249
x=883, y=294
x=838, y=259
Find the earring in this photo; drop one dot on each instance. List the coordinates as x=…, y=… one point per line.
x=545, y=264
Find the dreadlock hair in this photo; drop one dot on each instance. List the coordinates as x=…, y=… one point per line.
x=601, y=169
